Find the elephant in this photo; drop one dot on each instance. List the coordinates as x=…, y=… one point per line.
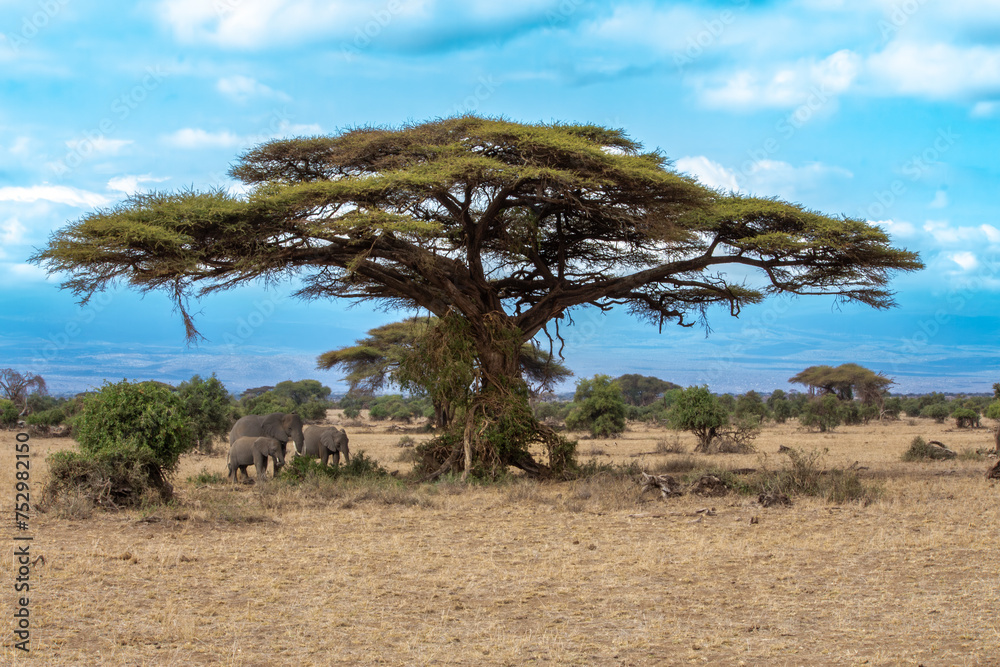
x=322, y=442
x=282, y=426
x=254, y=450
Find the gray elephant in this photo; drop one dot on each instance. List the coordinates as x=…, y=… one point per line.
x=254, y=451
x=322, y=442
x=282, y=426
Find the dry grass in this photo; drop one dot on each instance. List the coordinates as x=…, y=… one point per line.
x=578, y=573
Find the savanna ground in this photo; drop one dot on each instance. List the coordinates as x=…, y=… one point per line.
x=576, y=573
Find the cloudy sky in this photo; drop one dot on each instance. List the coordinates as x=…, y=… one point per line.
x=881, y=109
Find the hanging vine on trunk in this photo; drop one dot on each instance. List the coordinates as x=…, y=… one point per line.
x=494, y=424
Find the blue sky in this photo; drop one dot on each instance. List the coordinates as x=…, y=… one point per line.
x=886, y=110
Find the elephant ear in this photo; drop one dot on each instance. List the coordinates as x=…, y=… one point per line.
x=329, y=439
x=273, y=427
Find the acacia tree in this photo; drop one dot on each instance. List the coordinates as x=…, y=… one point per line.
x=17, y=387
x=378, y=360
x=500, y=225
x=846, y=381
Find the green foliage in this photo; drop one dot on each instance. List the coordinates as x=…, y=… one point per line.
x=751, y=405
x=992, y=410
x=965, y=417
x=52, y=417
x=937, y=411
x=782, y=410
x=642, y=390
x=135, y=418
x=205, y=478
x=846, y=381
x=823, y=412
x=400, y=408
x=557, y=410
x=210, y=409
x=302, y=468
x=920, y=450
x=695, y=409
x=307, y=398
x=8, y=412
x=599, y=407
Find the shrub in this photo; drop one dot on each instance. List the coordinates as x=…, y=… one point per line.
x=823, y=413
x=8, y=412
x=361, y=466
x=965, y=417
x=600, y=407
x=209, y=407
x=52, y=417
x=135, y=416
x=937, y=411
x=696, y=410
x=751, y=405
x=131, y=437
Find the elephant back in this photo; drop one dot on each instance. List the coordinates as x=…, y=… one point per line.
x=247, y=426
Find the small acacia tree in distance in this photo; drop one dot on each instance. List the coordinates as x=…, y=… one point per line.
x=504, y=226
x=600, y=407
x=697, y=410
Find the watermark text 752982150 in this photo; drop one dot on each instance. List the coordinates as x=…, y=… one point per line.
x=22, y=544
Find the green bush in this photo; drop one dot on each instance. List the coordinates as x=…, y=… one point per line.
x=111, y=478
x=135, y=417
x=965, y=417
x=8, y=412
x=695, y=409
x=209, y=407
x=937, y=411
x=52, y=417
x=599, y=407
x=301, y=468
x=824, y=413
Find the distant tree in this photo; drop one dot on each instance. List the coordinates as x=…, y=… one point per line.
x=253, y=392
x=211, y=410
x=643, y=390
x=823, y=412
x=936, y=411
x=965, y=417
x=17, y=387
x=599, y=406
x=695, y=409
x=846, y=381
x=8, y=412
x=993, y=412
x=750, y=405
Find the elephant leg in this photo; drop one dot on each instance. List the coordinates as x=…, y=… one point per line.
x=277, y=466
x=324, y=456
x=246, y=473
x=260, y=462
x=233, y=473
x=336, y=459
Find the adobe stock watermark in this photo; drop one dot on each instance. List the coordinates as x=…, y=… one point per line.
x=711, y=30
x=35, y=23
x=562, y=12
x=914, y=167
x=246, y=327
x=898, y=16
x=59, y=341
x=365, y=34
x=484, y=91
x=755, y=331
x=93, y=141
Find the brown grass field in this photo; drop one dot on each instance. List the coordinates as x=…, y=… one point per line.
x=576, y=573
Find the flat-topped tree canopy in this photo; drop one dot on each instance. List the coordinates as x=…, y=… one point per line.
x=479, y=215
x=505, y=224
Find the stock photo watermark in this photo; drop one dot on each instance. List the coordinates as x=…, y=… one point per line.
x=711, y=31
x=365, y=34
x=35, y=23
x=93, y=141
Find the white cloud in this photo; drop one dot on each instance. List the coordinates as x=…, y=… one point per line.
x=966, y=260
x=12, y=232
x=20, y=146
x=710, y=173
x=806, y=82
x=130, y=183
x=940, y=200
x=97, y=145
x=896, y=228
x=777, y=178
x=937, y=71
x=59, y=194
x=242, y=88
x=991, y=232
x=198, y=138
x=985, y=109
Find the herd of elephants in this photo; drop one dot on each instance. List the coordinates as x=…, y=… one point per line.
x=255, y=438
